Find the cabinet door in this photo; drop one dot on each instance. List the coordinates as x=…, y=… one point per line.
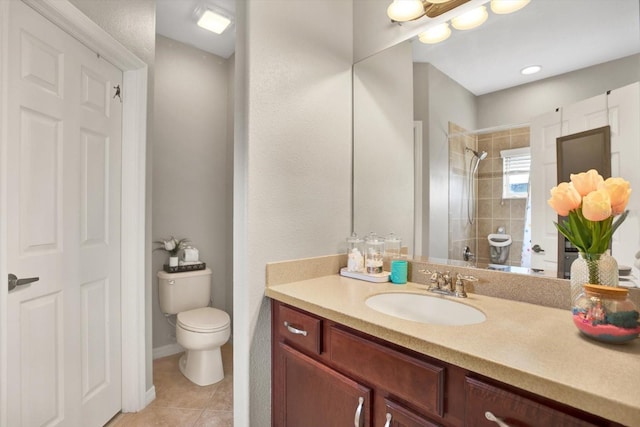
x=485, y=402
x=315, y=395
x=397, y=415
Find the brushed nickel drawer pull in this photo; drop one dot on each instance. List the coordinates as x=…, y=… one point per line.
x=295, y=331
x=488, y=415
x=388, y=423
x=356, y=421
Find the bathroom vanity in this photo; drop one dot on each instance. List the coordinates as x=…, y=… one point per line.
x=336, y=361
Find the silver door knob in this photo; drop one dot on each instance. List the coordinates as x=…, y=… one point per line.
x=14, y=281
x=537, y=249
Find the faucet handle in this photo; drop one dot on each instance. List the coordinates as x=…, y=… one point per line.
x=460, y=292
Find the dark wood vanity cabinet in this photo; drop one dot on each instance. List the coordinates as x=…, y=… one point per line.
x=325, y=374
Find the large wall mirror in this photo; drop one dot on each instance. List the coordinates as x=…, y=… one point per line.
x=431, y=121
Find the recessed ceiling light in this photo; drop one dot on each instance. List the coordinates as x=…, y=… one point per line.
x=213, y=22
x=532, y=69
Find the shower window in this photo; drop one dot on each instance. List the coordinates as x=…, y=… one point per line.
x=516, y=164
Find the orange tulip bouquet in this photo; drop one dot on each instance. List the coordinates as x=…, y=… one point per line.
x=591, y=203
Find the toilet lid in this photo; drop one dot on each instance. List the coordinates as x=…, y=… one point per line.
x=205, y=319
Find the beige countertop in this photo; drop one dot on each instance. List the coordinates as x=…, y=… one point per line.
x=532, y=347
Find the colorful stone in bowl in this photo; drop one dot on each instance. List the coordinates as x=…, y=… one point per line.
x=605, y=313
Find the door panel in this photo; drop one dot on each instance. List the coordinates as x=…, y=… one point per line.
x=64, y=180
x=318, y=396
x=41, y=367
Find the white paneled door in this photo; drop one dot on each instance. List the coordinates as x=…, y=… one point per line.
x=64, y=180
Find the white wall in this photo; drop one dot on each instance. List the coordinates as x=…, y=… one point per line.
x=292, y=165
x=133, y=23
x=521, y=103
x=383, y=155
x=191, y=170
x=437, y=101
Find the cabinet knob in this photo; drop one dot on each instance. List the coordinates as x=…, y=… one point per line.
x=388, y=423
x=295, y=331
x=488, y=415
x=356, y=420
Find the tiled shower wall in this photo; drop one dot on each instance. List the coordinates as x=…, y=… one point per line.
x=461, y=232
x=491, y=211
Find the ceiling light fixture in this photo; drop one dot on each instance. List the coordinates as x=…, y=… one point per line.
x=532, y=69
x=471, y=19
x=435, y=34
x=507, y=6
x=214, y=21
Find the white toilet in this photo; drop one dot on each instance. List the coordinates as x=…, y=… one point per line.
x=201, y=330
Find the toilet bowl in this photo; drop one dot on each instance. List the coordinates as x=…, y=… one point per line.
x=499, y=244
x=201, y=330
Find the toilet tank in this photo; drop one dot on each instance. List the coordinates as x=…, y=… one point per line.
x=179, y=292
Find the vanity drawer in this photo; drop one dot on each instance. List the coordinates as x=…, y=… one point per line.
x=399, y=416
x=299, y=329
x=511, y=408
x=400, y=375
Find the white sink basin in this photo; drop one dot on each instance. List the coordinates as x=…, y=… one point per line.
x=425, y=309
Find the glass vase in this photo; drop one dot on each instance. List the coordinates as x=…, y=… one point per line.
x=595, y=269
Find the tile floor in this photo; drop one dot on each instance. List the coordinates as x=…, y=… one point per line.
x=180, y=403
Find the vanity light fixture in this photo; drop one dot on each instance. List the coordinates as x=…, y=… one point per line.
x=435, y=34
x=507, y=6
x=214, y=21
x=471, y=19
x=532, y=69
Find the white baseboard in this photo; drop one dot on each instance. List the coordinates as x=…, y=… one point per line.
x=150, y=395
x=167, y=350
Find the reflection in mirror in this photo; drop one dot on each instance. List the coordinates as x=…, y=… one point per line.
x=456, y=87
x=383, y=166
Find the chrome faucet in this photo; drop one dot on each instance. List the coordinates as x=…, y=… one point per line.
x=442, y=283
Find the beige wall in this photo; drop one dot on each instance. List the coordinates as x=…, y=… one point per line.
x=383, y=148
x=133, y=23
x=192, y=174
x=292, y=165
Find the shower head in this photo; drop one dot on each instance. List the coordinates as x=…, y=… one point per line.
x=480, y=155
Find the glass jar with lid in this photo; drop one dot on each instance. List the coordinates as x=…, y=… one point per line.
x=392, y=247
x=355, y=254
x=374, y=252
x=605, y=313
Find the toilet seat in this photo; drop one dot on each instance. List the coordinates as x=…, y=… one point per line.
x=203, y=320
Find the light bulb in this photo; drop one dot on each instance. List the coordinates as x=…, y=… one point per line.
x=507, y=6
x=471, y=19
x=405, y=10
x=435, y=34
